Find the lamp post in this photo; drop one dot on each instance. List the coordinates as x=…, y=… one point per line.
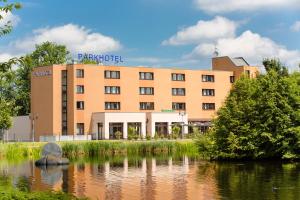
x=33, y=117
x=182, y=114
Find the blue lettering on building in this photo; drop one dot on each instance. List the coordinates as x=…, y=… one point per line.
x=100, y=58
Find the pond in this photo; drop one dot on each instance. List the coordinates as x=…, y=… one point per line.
x=159, y=178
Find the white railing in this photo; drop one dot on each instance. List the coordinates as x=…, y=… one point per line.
x=65, y=138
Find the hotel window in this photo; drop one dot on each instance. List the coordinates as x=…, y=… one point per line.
x=247, y=72
x=231, y=79
x=80, y=105
x=79, y=89
x=80, y=129
x=178, y=106
x=64, y=102
x=146, y=76
x=208, y=78
x=112, y=74
x=79, y=73
x=112, y=105
x=178, y=77
x=146, y=105
x=178, y=91
x=208, y=92
x=208, y=106
x=146, y=90
x=112, y=90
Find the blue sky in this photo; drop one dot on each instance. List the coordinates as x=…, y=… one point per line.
x=169, y=33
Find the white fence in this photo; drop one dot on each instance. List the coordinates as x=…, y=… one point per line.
x=65, y=138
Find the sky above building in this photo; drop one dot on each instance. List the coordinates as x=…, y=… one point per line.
x=160, y=33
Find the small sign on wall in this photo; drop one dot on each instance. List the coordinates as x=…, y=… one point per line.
x=42, y=73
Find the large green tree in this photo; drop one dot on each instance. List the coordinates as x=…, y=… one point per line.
x=49, y=53
x=45, y=54
x=7, y=75
x=260, y=117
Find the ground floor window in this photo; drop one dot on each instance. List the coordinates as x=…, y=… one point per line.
x=100, y=135
x=134, y=128
x=202, y=126
x=114, y=129
x=177, y=124
x=161, y=128
x=80, y=129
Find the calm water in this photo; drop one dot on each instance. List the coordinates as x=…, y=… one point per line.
x=159, y=178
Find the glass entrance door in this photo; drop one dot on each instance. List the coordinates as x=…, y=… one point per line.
x=113, y=128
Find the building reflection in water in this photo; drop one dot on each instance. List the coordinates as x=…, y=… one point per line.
x=148, y=179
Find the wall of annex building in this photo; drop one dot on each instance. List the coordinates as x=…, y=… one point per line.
x=225, y=64
x=42, y=100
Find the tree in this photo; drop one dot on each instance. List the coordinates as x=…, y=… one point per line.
x=7, y=93
x=274, y=64
x=7, y=103
x=260, y=117
x=45, y=54
x=49, y=53
x=23, y=85
x=7, y=28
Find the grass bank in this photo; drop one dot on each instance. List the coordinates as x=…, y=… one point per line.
x=20, y=150
x=16, y=194
x=76, y=149
x=129, y=148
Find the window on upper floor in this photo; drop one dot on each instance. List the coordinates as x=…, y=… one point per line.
x=178, y=106
x=231, y=78
x=146, y=105
x=79, y=73
x=208, y=106
x=208, y=78
x=178, y=91
x=208, y=92
x=178, y=77
x=111, y=74
x=247, y=72
x=79, y=89
x=112, y=90
x=112, y=106
x=146, y=76
x=146, y=90
x=80, y=105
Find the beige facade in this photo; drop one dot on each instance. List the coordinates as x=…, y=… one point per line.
x=61, y=89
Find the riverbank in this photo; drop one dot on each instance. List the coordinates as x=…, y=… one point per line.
x=80, y=149
x=17, y=194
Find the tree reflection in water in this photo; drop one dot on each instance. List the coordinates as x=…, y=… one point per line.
x=254, y=180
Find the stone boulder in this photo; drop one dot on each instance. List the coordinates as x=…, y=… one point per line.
x=52, y=155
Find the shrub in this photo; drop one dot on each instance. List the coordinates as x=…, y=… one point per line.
x=118, y=135
x=156, y=136
x=148, y=137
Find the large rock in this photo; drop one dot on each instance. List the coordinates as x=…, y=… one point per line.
x=53, y=149
x=52, y=160
x=52, y=155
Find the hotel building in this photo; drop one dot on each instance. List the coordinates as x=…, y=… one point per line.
x=94, y=101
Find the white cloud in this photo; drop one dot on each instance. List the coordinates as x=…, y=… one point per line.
x=77, y=39
x=223, y=6
x=218, y=27
x=9, y=17
x=253, y=47
x=296, y=26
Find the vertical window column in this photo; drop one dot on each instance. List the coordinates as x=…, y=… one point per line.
x=64, y=102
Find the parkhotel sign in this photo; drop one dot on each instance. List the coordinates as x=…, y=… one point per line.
x=100, y=58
